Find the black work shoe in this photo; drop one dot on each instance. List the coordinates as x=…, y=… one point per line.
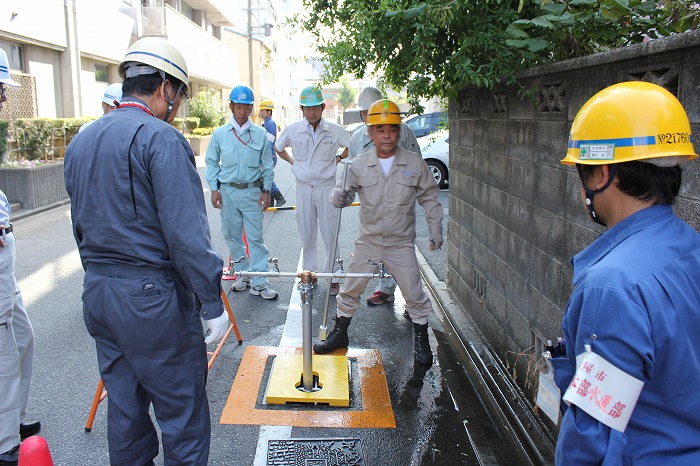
x=10, y=457
x=422, y=353
x=280, y=200
x=338, y=338
x=29, y=429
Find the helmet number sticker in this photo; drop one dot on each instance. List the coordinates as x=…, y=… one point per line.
x=597, y=152
x=674, y=138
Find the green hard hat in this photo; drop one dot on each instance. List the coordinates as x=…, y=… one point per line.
x=311, y=96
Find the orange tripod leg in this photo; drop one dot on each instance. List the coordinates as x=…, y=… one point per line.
x=233, y=327
x=101, y=392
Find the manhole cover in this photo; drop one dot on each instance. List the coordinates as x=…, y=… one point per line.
x=315, y=452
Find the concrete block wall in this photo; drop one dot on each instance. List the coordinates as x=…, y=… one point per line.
x=516, y=216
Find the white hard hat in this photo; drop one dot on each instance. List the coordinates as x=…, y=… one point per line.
x=5, y=70
x=112, y=93
x=157, y=54
x=368, y=96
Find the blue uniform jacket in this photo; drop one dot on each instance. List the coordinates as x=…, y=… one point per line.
x=636, y=301
x=231, y=161
x=136, y=198
x=271, y=128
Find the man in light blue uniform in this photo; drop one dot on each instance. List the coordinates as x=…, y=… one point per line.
x=636, y=298
x=139, y=219
x=16, y=332
x=240, y=173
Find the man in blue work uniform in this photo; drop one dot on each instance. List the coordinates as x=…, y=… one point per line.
x=266, y=108
x=139, y=219
x=632, y=323
x=239, y=173
x=16, y=332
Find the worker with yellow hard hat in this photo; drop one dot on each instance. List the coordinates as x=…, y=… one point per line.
x=265, y=113
x=389, y=180
x=631, y=325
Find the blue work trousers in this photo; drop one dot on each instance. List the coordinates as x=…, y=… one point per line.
x=274, y=190
x=239, y=210
x=150, y=349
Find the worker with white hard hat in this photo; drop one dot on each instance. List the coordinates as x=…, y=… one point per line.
x=151, y=273
x=16, y=332
x=110, y=100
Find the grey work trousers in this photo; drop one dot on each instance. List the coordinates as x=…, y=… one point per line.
x=16, y=349
x=401, y=262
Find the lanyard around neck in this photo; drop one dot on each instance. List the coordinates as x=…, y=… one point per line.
x=137, y=105
x=245, y=143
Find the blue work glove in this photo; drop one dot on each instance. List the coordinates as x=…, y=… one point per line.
x=339, y=198
x=217, y=328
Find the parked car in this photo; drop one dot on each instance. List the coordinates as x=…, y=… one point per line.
x=427, y=123
x=436, y=153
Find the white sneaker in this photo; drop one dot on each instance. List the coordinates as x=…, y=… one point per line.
x=264, y=291
x=240, y=284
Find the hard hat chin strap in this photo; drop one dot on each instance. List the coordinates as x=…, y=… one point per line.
x=170, y=101
x=612, y=170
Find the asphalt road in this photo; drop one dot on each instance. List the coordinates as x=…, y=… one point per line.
x=439, y=416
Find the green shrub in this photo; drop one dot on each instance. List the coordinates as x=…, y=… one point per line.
x=34, y=138
x=208, y=107
x=3, y=138
x=192, y=123
x=206, y=131
x=177, y=123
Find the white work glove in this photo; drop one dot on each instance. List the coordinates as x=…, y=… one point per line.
x=217, y=328
x=435, y=244
x=339, y=198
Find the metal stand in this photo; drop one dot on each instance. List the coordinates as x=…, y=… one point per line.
x=306, y=278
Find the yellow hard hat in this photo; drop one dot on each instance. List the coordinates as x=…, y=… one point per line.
x=383, y=112
x=157, y=54
x=631, y=121
x=266, y=104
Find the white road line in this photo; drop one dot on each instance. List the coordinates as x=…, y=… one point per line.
x=292, y=335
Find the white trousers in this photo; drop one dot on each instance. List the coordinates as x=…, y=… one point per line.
x=16, y=350
x=315, y=211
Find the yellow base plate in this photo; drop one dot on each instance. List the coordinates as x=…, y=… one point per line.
x=333, y=380
x=242, y=406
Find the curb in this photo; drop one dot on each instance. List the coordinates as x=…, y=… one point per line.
x=24, y=213
x=504, y=398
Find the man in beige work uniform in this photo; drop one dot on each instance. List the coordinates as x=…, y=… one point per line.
x=389, y=180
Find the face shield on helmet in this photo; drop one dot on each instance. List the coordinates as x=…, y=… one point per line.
x=367, y=97
x=242, y=94
x=383, y=112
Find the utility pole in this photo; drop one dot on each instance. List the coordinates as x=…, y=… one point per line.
x=250, y=43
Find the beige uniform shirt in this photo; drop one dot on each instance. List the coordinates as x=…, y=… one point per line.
x=388, y=208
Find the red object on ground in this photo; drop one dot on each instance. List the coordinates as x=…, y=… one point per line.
x=34, y=451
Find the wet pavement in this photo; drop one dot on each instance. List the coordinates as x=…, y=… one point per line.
x=442, y=417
